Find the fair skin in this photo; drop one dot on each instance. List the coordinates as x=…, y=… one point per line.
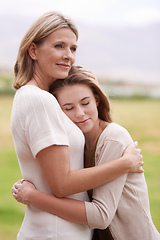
x=74, y=101
x=80, y=105
x=53, y=59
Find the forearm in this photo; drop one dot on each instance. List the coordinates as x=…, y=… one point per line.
x=89, y=178
x=64, y=182
x=66, y=208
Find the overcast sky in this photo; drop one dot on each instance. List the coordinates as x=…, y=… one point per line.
x=17, y=15
x=106, y=12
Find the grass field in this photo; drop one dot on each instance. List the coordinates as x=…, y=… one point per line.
x=140, y=117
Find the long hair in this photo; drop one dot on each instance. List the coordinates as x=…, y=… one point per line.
x=39, y=30
x=76, y=76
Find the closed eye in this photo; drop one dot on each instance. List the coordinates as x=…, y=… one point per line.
x=68, y=109
x=84, y=104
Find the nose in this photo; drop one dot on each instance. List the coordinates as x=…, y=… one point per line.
x=79, y=112
x=68, y=54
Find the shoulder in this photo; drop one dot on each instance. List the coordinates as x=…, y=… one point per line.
x=112, y=143
x=33, y=96
x=115, y=133
x=30, y=91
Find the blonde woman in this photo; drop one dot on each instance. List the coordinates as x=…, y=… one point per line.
x=49, y=146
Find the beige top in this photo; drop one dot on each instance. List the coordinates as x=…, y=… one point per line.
x=37, y=122
x=122, y=204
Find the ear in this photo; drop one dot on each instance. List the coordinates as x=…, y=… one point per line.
x=97, y=99
x=32, y=51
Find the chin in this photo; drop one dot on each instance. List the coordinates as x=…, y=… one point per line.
x=85, y=131
x=63, y=75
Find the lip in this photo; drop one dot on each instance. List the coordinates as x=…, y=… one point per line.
x=83, y=122
x=64, y=65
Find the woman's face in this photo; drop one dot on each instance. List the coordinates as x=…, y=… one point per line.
x=80, y=105
x=55, y=56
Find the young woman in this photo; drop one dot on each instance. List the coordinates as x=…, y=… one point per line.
x=122, y=204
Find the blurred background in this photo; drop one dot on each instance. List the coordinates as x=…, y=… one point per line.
x=119, y=40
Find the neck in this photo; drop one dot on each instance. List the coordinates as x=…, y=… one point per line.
x=41, y=83
x=92, y=136
x=42, y=80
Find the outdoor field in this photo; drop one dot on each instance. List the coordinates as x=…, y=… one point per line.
x=141, y=117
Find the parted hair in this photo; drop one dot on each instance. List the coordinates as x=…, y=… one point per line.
x=38, y=31
x=77, y=76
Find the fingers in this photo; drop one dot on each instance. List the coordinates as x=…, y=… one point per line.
x=139, y=150
x=14, y=191
x=15, y=188
x=140, y=155
x=135, y=143
x=19, y=190
x=17, y=185
x=141, y=170
x=89, y=73
x=14, y=194
x=141, y=163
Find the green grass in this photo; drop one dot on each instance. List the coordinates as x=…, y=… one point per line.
x=11, y=213
x=142, y=119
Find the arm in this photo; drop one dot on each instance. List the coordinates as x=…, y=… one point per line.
x=113, y=196
x=44, y=129
x=66, y=208
x=106, y=198
x=63, y=181
x=69, y=209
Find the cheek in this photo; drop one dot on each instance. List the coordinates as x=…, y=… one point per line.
x=93, y=109
x=70, y=115
x=73, y=59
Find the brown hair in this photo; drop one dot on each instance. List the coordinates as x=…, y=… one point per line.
x=39, y=30
x=76, y=76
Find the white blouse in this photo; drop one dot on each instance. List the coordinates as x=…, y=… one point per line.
x=37, y=122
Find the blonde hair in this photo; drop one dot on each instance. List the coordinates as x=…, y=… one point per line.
x=39, y=30
x=76, y=76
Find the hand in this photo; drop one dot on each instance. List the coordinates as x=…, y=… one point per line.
x=134, y=158
x=89, y=73
x=21, y=191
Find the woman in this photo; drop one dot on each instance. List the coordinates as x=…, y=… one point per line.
x=48, y=145
x=122, y=204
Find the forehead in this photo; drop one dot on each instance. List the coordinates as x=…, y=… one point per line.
x=74, y=92
x=62, y=34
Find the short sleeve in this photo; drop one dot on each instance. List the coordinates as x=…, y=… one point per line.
x=44, y=121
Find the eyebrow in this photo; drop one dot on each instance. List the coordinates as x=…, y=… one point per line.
x=84, y=98
x=66, y=104
x=62, y=42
